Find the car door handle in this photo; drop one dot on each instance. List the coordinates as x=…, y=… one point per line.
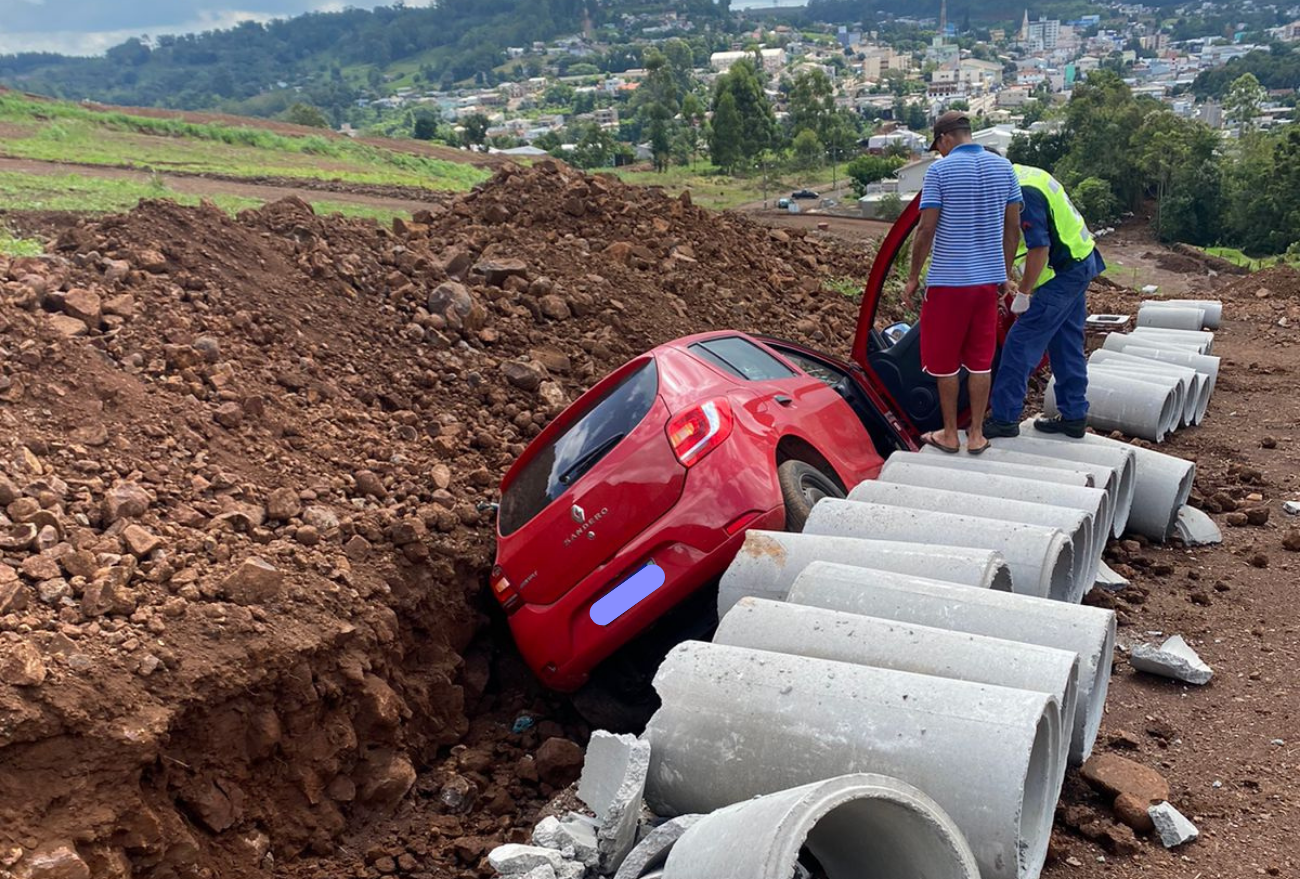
x=783, y=400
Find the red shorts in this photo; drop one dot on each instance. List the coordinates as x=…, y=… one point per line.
x=959, y=328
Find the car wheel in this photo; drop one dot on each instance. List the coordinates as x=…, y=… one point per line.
x=802, y=486
x=618, y=706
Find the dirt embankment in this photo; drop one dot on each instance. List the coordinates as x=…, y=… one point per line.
x=241, y=548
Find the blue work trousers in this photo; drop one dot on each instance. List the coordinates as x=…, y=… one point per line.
x=1054, y=324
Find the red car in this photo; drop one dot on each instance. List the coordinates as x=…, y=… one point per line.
x=640, y=492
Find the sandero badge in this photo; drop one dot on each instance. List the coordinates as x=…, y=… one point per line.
x=627, y=594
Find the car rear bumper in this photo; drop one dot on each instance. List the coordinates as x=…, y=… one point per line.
x=562, y=644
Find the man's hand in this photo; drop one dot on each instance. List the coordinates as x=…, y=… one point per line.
x=909, y=293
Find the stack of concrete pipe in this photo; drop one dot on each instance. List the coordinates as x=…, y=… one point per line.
x=974, y=696
x=1156, y=379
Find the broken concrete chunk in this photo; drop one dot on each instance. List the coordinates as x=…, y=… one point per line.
x=574, y=837
x=1109, y=580
x=1194, y=528
x=1174, y=829
x=1172, y=659
x=612, y=785
x=571, y=870
x=543, y=871
x=518, y=860
x=652, y=851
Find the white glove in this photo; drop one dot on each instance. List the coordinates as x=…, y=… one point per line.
x=1020, y=304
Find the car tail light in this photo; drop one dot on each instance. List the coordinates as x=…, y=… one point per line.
x=699, y=430
x=504, y=592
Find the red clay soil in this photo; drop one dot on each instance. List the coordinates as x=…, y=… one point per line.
x=241, y=553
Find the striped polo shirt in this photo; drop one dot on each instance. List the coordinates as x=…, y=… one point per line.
x=972, y=188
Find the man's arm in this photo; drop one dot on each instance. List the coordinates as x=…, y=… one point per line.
x=922, y=244
x=1011, y=235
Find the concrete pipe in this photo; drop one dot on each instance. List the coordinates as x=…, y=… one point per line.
x=1162, y=486
x=1202, y=338
x=1213, y=308
x=1087, y=631
x=920, y=470
x=1043, y=473
x=1041, y=559
x=1196, y=389
x=854, y=825
x=1171, y=317
x=1205, y=364
x=1186, y=395
x=739, y=723
x=1136, y=408
x=769, y=561
x=819, y=633
x=1086, y=541
x=1091, y=458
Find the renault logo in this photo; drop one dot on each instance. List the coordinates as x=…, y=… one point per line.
x=578, y=514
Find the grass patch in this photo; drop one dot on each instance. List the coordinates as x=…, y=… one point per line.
x=711, y=188
x=11, y=245
x=1255, y=264
x=850, y=288
x=65, y=132
x=98, y=195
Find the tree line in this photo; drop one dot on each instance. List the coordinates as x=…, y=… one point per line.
x=1114, y=151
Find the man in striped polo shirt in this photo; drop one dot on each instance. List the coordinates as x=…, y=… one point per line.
x=969, y=229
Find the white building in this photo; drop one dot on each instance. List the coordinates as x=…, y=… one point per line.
x=1041, y=35
x=773, y=59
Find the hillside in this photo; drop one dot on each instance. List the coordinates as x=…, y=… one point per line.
x=328, y=59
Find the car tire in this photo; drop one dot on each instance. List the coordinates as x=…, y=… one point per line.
x=616, y=706
x=802, y=486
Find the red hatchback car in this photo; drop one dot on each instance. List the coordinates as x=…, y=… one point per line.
x=639, y=493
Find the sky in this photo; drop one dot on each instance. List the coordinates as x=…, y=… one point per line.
x=88, y=27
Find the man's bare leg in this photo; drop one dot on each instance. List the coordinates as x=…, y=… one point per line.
x=949, y=388
x=978, y=385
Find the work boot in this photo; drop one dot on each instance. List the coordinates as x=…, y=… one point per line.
x=994, y=429
x=1071, y=427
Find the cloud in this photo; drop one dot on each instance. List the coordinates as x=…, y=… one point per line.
x=89, y=41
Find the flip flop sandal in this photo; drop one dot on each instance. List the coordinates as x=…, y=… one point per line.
x=929, y=440
x=981, y=450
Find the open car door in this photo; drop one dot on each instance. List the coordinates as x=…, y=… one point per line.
x=893, y=368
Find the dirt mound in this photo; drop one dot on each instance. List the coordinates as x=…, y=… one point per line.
x=1281, y=282
x=242, y=547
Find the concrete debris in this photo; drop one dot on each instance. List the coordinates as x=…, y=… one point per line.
x=652, y=851
x=1195, y=528
x=575, y=837
x=519, y=860
x=1172, y=659
x=1291, y=508
x=612, y=785
x=1109, y=580
x=1173, y=827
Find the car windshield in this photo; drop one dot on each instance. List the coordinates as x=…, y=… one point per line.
x=564, y=460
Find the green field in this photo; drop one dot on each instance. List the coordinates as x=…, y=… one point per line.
x=1237, y=257
x=711, y=188
x=99, y=195
x=65, y=132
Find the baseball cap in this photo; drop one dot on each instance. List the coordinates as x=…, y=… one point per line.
x=953, y=120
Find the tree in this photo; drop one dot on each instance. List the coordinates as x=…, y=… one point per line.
x=476, y=126
x=808, y=150
x=811, y=103
x=758, y=129
x=306, y=114
x=865, y=170
x=1243, y=99
x=890, y=207
x=727, y=134
x=595, y=149
x=1095, y=201
x=425, y=127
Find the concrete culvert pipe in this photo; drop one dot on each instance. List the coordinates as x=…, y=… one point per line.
x=989, y=467
x=1184, y=398
x=819, y=633
x=1171, y=317
x=1077, y=524
x=1111, y=470
x=1206, y=364
x=856, y=826
x=1201, y=338
x=1116, y=402
x=1041, y=559
x=921, y=471
x=1213, y=309
x=1163, y=484
x=769, y=561
x=738, y=723
x=1087, y=631
x=1195, y=389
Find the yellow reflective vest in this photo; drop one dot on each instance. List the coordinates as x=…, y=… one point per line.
x=1067, y=223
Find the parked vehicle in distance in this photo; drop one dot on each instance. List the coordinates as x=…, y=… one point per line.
x=783, y=203
x=638, y=495
x=804, y=193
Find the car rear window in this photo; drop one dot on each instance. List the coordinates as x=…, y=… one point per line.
x=579, y=448
x=743, y=359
